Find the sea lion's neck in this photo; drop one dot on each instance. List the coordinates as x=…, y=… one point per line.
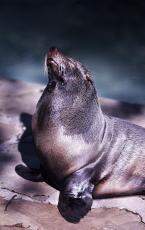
x=78, y=115
x=86, y=119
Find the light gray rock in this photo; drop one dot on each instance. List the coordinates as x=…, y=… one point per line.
x=32, y=215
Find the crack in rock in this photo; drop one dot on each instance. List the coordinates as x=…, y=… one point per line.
x=135, y=213
x=24, y=196
x=134, y=204
x=17, y=225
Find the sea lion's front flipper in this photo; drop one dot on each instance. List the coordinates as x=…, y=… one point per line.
x=27, y=173
x=75, y=199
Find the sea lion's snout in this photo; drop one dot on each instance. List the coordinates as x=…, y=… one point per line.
x=55, y=63
x=53, y=51
x=66, y=74
x=54, y=56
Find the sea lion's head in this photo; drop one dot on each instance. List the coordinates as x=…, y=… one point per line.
x=67, y=75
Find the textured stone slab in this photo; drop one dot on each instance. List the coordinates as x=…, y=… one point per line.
x=31, y=215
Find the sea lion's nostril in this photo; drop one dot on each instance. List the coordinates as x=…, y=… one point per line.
x=53, y=51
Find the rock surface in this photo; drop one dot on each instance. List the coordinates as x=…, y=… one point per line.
x=32, y=205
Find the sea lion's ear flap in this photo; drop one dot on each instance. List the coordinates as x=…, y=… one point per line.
x=88, y=78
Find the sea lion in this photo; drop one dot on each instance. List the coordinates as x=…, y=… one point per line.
x=84, y=153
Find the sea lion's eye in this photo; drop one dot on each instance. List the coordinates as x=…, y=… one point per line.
x=61, y=70
x=62, y=81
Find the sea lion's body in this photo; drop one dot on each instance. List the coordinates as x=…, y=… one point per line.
x=84, y=153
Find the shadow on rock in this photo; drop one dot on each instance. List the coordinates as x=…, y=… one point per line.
x=28, y=154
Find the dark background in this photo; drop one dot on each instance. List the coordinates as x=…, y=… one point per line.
x=107, y=36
